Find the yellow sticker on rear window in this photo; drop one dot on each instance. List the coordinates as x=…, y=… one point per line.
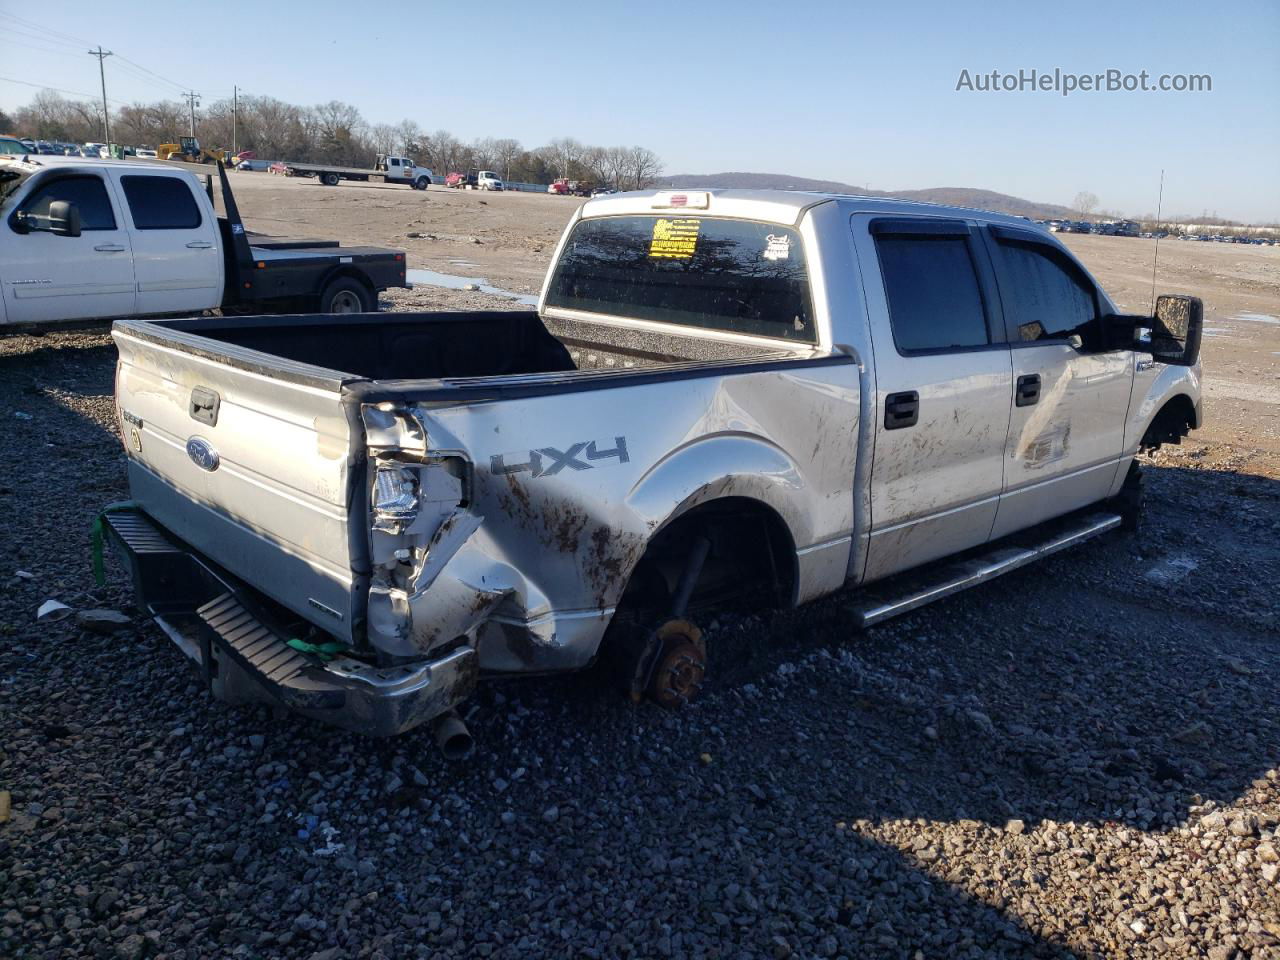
x=674, y=239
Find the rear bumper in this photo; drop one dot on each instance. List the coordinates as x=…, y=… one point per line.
x=224, y=627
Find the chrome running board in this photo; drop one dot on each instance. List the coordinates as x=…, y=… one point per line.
x=952, y=578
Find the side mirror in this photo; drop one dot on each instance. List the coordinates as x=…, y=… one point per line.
x=64, y=219
x=1176, y=330
x=1126, y=331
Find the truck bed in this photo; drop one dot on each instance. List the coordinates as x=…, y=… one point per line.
x=438, y=346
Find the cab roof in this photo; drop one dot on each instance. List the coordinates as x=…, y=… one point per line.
x=779, y=206
x=53, y=161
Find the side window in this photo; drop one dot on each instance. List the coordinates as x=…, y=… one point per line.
x=89, y=194
x=1045, y=296
x=932, y=288
x=161, y=203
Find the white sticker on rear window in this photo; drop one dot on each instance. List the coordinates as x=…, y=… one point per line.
x=777, y=247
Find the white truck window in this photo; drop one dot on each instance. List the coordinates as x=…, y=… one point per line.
x=935, y=302
x=160, y=203
x=738, y=276
x=89, y=194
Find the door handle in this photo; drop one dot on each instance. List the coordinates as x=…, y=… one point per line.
x=199, y=244
x=1028, y=392
x=109, y=248
x=901, y=410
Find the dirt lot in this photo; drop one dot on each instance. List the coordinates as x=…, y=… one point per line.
x=1080, y=759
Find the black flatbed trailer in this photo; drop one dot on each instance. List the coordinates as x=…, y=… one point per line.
x=282, y=274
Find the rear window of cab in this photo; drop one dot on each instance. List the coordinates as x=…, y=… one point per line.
x=738, y=276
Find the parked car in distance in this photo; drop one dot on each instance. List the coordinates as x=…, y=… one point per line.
x=12, y=145
x=279, y=168
x=145, y=153
x=252, y=165
x=564, y=187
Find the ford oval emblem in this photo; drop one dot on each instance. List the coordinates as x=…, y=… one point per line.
x=202, y=454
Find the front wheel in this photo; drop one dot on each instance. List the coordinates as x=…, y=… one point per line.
x=329, y=179
x=421, y=183
x=346, y=295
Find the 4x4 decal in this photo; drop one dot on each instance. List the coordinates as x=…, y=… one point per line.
x=548, y=461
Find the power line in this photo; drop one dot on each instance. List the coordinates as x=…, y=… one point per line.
x=46, y=51
x=30, y=30
x=160, y=88
x=171, y=83
x=31, y=35
x=45, y=86
x=141, y=74
x=32, y=25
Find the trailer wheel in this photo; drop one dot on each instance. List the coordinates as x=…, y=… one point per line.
x=329, y=179
x=421, y=183
x=346, y=295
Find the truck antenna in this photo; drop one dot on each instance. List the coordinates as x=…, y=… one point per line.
x=1155, y=259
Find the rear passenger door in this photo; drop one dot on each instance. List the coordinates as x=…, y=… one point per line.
x=176, y=248
x=944, y=387
x=1071, y=389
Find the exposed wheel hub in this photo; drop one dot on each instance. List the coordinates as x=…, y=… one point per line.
x=677, y=673
x=668, y=665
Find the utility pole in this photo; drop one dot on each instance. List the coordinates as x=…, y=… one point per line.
x=193, y=101
x=235, y=115
x=102, y=75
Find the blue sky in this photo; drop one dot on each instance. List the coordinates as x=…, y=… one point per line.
x=859, y=92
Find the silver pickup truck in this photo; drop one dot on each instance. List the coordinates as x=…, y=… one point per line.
x=723, y=397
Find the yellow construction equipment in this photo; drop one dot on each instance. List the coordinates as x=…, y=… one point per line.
x=188, y=150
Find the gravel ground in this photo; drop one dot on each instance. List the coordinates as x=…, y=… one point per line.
x=1079, y=759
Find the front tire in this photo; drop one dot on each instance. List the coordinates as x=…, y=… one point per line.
x=346, y=295
x=421, y=183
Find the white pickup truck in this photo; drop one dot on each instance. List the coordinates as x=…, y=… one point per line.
x=88, y=239
x=723, y=397
x=387, y=168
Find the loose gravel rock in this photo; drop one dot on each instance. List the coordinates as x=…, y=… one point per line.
x=1067, y=761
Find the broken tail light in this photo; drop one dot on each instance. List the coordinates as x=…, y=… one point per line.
x=395, y=499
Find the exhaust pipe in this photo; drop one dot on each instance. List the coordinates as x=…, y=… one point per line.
x=452, y=736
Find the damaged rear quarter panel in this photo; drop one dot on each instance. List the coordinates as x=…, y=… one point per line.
x=571, y=487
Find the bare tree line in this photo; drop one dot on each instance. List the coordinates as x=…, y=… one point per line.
x=331, y=132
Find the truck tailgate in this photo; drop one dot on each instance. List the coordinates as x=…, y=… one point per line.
x=247, y=461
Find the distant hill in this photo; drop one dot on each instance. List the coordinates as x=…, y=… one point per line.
x=952, y=196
